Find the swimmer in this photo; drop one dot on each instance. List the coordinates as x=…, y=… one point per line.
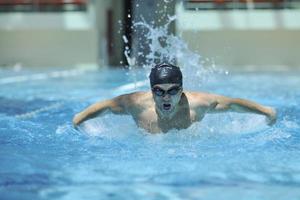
x=167, y=106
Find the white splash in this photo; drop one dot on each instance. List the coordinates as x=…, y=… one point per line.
x=166, y=47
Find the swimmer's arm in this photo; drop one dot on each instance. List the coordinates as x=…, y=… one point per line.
x=222, y=103
x=115, y=106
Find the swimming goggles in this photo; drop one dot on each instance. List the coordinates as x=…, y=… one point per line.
x=160, y=92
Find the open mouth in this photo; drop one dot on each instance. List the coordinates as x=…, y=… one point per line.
x=167, y=106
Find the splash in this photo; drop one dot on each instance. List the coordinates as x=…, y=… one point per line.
x=162, y=46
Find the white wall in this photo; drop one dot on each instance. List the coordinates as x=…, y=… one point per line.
x=266, y=39
x=48, y=39
x=48, y=47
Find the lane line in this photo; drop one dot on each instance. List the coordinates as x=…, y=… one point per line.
x=44, y=76
x=32, y=114
x=121, y=89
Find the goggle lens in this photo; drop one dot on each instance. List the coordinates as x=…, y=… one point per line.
x=160, y=92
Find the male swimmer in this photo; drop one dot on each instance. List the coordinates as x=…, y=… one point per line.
x=167, y=106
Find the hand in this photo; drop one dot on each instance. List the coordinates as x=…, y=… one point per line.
x=76, y=120
x=271, y=117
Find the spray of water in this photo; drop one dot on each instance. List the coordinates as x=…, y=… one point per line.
x=165, y=47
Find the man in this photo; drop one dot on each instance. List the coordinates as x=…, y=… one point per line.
x=167, y=106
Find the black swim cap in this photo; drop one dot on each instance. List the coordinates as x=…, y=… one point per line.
x=165, y=73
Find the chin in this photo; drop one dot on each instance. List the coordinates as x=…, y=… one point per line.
x=167, y=113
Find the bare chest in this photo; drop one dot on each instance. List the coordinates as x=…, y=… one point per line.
x=150, y=121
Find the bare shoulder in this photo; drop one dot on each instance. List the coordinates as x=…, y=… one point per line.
x=201, y=98
x=135, y=96
x=132, y=99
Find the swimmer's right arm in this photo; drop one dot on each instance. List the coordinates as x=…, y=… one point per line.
x=115, y=106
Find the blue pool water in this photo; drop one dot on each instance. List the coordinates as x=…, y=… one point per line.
x=226, y=156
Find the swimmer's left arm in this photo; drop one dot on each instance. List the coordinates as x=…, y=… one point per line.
x=222, y=103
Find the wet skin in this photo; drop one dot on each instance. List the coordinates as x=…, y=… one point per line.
x=166, y=108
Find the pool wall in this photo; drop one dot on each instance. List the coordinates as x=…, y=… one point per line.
x=238, y=38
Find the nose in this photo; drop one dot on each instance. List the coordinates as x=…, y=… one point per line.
x=166, y=97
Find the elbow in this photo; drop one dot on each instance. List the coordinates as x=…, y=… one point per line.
x=217, y=107
x=223, y=105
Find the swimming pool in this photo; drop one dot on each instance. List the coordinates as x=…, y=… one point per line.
x=226, y=156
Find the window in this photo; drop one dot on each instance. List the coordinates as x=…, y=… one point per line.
x=240, y=4
x=42, y=5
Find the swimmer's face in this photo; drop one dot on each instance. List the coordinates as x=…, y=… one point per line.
x=167, y=97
